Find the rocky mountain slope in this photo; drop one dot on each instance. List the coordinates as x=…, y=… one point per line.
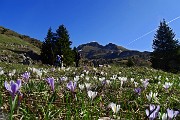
x=94, y=50
x=17, y=48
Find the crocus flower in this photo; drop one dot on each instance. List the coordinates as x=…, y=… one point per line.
x=87, y=78
x=122, y=79
x=53, y=69
x=164, y=116
x=1, y=71
x=26, y=76
x=114, y=107
x=136, y=84
x=92, y=94
x=81, y=86
x=13, y=87
x=71, y=86
x=76, y=78
x=145, y=83
x=167, y=85
x=153, y=112
x=102, y=79
x=51, y=82
x=88, y=85
x=152, y=95
x=172, y=113
x=137, y=90
x=61, y=79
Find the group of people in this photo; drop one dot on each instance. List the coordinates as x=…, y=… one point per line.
x=59, y=60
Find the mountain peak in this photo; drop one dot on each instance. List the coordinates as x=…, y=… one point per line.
x=111, y=46
x=93, y=43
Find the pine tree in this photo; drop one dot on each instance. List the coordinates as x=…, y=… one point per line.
x=47, y=51
x=63, y=44
x=165, y=48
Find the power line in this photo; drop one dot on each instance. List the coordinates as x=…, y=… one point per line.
x=151, y=31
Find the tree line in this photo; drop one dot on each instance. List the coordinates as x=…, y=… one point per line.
x=165, y=55
x=58, y=43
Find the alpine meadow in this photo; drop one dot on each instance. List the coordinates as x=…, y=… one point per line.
x=79, y=60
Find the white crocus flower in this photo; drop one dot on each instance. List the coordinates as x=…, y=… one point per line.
x=101, y=79
x=164, y=116
x=92, y=94
x=132, y=79
x=88, y=85
x=82, y=75
x=12, y=73
x=167, y=85
x=108, y=82
x=136, y=84
x=95, y=78
x=95, y=69
x=87, y=72
x=113, y=77
x=122, y=79
x=114, y=107
x=1, y=72
x=81, y=86
x=87, y=78
x=152, y=95
x=102, y=73
x=76, y=78
x=67, y=69
x=159, y=83
x=38, y=73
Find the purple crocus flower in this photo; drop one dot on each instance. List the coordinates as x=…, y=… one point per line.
x=51, y=82
x=145, y=83
x=171, y=113
x=104, y=82
x=71, y=86
x=26, y=76
x=153, y=112
x=13, y=87
x=137, y=90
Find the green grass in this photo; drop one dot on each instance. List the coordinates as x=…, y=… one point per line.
x=11, y=42
x=40, y=103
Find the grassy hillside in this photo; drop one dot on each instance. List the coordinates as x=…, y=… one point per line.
x=14, y=46
x=15, y=43
x=26, y=38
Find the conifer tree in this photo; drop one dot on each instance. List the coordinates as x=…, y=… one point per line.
x=47, y=50
x=63, y=44
x=165, y=48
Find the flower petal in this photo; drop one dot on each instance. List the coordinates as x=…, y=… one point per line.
x=7, y=86
x=14, y=88
x=19, y=83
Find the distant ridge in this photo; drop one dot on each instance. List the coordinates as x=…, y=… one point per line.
x=94, y=50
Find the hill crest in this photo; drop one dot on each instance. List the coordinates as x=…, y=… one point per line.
x=94, y=50
x=17, y=48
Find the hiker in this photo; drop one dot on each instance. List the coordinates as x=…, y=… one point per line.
x=58, y=60
x=78, y=57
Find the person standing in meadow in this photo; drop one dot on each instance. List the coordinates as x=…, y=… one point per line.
x=77, y=58
x=58, y=60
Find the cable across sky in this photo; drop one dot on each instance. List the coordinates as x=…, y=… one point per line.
x=151, y=31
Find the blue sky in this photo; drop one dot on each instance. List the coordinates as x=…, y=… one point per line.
x=104, y=21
